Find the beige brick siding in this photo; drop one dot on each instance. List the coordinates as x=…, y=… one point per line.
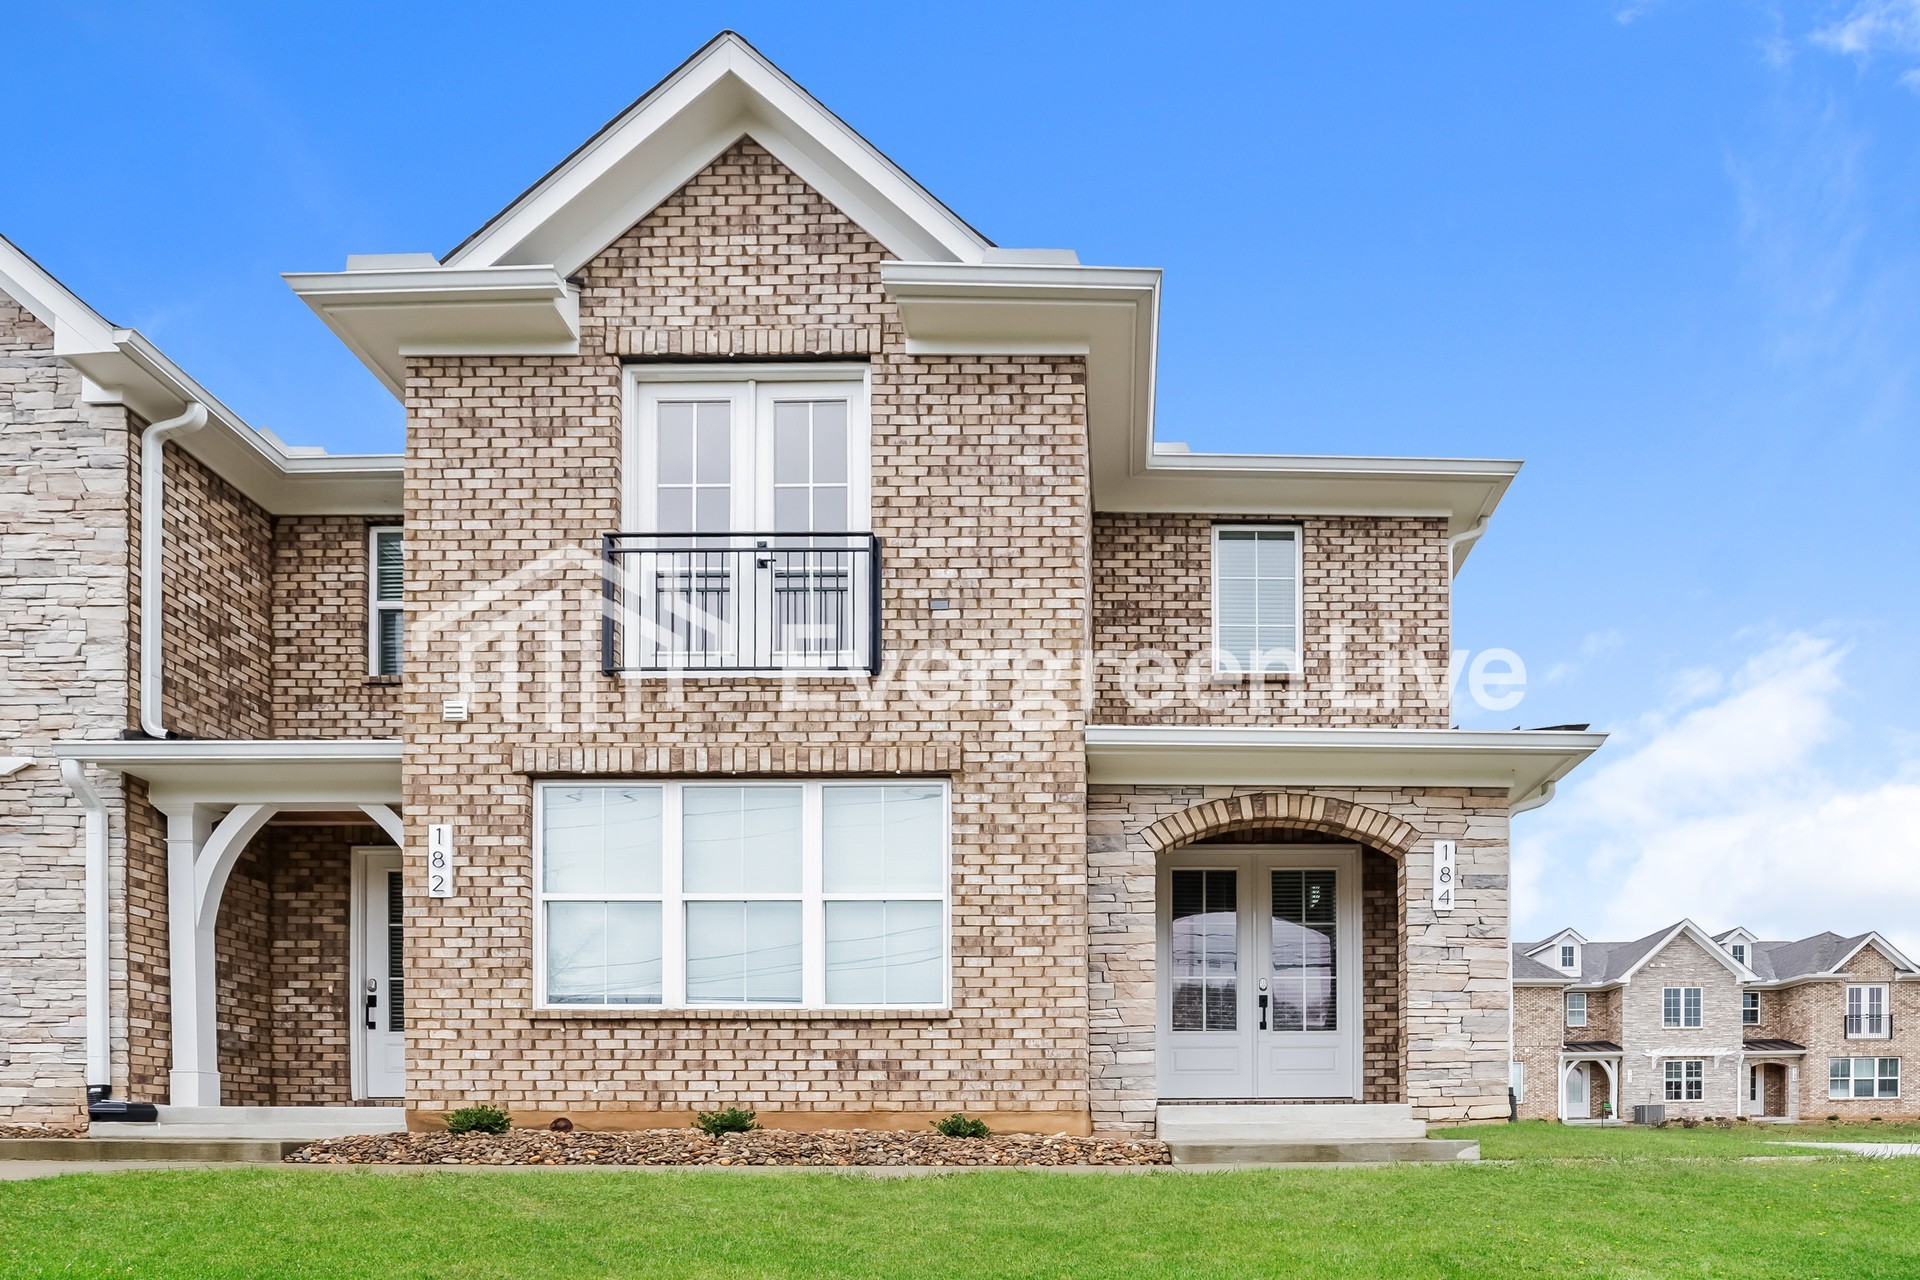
x=147, y=992
x=1681, y=963
x=1374, y=595
x=1812, y=1014
x=63, y=585
x=1537, y=1038
x=746, y=246
x=1453, y=1028
x=321, y=686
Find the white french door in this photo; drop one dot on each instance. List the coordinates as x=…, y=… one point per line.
x=1259, y=972
x=753, y=485
x=379, y=998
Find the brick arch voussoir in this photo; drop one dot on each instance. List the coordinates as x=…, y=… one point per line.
x=1295, y=810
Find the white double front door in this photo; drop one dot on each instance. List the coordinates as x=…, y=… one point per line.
x=1259, y=972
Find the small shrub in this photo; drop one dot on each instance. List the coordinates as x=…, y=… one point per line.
x=478, y=1119
x=1689, y=1122
x=726, y=1120
x=959, y=1126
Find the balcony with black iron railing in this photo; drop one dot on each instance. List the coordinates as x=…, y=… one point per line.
x=685, y=603
x=1869, y=1026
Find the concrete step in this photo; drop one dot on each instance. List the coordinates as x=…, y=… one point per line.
x=1289, y=1122
x=303, y=1124
x=216, y=1150
x=1241, y=1154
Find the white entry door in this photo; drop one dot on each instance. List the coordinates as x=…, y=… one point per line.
x=1259, y=965
x=379, y=998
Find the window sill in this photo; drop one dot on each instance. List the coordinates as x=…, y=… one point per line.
x=653, y=1013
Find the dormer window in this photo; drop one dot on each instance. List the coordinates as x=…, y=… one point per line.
x=1569, y=958
x=1739, y=951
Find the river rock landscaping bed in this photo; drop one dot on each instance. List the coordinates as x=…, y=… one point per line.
x=41, y=1131
x=765, y=1147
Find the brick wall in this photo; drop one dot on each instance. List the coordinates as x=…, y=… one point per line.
x=1453, y=1010
x=63, y=674
x=1538, y=1025
x=1681, y=963
x=1813, y=1013
x=979, y=490
x=147, y=993
x=321, y=686
x=1374, y=595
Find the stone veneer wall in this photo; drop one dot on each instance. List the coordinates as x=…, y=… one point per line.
x=1454, y=1010
x=1681, y=963
x=979, y=474
x=63, y=674
x=1375, y=598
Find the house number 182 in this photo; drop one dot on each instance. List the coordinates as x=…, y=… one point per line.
x=440, y=860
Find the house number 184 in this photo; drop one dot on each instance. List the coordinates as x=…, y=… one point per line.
x=1444, y=880
x=439, y=860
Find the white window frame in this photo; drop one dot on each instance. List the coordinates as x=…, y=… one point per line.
x=1749, y=1000
x=1569, y=956
x=1876, y=1095
x=1739, y=952
x=376, y=606
x=1690, y=1076
x=812, y=896
x=1866, y=1002
x=1299, y=537
x=1572, y=1020
x=1681, y=998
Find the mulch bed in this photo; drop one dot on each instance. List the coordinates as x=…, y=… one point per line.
x=830, y=1148
x=42, y=1131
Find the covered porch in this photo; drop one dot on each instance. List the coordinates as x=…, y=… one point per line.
x=255, y=926
x=1770, y=1080
x=1590, y=1082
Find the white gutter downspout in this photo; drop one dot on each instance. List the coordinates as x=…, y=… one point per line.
x=152, y=511
x=99, y=1052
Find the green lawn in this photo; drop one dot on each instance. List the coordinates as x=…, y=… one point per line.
x=1658, y=1218
x=1542, y=1140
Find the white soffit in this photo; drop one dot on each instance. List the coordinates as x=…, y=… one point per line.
x=214, y=771
x=1522, y=761
x=121, y=366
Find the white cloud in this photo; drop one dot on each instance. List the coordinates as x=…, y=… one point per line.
x=1731, y=812
x=1877, y=28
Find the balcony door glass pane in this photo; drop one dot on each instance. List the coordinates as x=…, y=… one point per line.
x=1205, y=950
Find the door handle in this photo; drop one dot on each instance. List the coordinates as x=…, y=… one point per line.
x=373, y=1000
x=1263, y=1011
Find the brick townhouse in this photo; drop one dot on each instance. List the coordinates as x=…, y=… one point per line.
x=1729, y=1025
x=783, y=670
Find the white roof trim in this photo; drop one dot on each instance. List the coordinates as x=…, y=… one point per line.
x=1556, y=940
x=725, y=91
x=1873, y=940
x=1702, y=937
x=1521, y=761
x=121, y=366
x=248, y=771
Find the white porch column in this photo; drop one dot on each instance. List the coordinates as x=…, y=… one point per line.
x=194, y=1079
x=200, y=855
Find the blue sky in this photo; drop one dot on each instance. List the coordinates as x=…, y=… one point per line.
x=1663, y=250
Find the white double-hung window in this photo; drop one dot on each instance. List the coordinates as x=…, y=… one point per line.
x=751, y=894
x=1576, y=1008
x=386, y=601
x=747, y=518
x=1680, y=1007
x=1256, y=599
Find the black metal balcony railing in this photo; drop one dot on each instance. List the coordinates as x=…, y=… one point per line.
x=1869, y=1025
x=687, y=602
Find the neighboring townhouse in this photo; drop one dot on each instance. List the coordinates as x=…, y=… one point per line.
x=1725, y=1025
x=782, y=671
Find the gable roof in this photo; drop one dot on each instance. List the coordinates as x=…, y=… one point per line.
x=1608, y=963
x=1821, y=955
x=727, y=90
x=1530, y=972
x=121, y=366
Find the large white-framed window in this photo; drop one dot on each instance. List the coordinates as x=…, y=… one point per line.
x=1680, y=1007
x=1576, y=1008
x=1685, y=1079
x=1749, y=1008
x=1863, y=1077
x=386, y=600
x=1867, y=1016
x=1257, y=609
x=827, y=894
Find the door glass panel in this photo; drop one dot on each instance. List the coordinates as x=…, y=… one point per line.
x=1205, y=950
x=1305, y=983
x=396, y=948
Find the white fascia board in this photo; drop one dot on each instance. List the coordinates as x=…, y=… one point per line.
x=1110, y=315
x=282, y=771
x=386, y=315
x=723, y=92
x=1872, y=940
x=1520, y=761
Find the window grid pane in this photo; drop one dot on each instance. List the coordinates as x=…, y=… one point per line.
x=1256, y=575
x=1204, y=950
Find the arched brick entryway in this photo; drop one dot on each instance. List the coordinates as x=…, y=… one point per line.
x=1286, y=810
